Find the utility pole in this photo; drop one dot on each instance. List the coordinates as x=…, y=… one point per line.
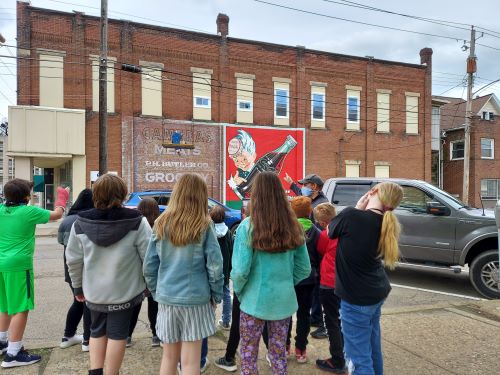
x=471, y=69
x=103, y=92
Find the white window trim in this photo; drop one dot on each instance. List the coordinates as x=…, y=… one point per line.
x=359, y=110
x=287, y=103
x=492, y=149
x=312, y=106
x=202, y=106
x=451, y=150
x=244, y=101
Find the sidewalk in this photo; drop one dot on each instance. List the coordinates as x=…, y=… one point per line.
x=443, y=339
x=49, y=229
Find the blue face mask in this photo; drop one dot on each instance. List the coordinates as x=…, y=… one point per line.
x=306, y=191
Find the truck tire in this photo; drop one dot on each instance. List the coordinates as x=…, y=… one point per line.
x=483, y=274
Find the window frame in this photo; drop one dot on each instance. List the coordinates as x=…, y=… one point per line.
x=486, y=180
x=322, y=104
x=452, y=143
x=491, y=149
x=287, y=97
x=208, y=106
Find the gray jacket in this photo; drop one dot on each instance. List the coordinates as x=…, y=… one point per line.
x=104, y=255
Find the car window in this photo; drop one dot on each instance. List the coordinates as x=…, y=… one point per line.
x=349, y=194
x=211, y=204
x=161, y=199
x=414, y=200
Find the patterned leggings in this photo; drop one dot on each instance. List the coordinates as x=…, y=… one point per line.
x=250, y=331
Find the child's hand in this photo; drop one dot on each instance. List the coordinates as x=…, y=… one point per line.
x=80, y=298
x=288, y=179
x=363, y=202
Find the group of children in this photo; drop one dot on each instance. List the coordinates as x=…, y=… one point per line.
x=182, y=261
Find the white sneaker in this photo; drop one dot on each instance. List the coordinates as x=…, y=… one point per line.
x=85, y=346
x=66, y=342
x=205, y=366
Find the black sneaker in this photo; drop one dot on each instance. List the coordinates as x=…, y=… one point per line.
x=327, y=365
x=23, y=358
x=320, y=333
x=224, y=364
x=3, y=347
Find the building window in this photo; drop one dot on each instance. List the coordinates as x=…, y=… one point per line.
x=487, y=148
x=382, y=171
x=383, y=103
x=281, y=101
x=244, y=105
x=52, y=80
x=412, y=112
x=201, y=102
x=352, y=168
x=202, y=93
x=352, y=109
x=151, y=92
x=457, y=150
x=490, y=116
x=110, y=89
x=490, y=189
x=318, y=106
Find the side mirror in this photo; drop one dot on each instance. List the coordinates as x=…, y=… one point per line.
x=438, y=209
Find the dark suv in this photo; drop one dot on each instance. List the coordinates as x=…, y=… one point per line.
x=437, y=228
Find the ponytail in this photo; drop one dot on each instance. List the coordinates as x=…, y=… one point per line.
x=388, y=244
x=390, y=195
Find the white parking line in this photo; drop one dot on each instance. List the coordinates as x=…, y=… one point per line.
x=437, y=292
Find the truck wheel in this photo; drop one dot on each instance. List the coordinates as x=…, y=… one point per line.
x=483, y=274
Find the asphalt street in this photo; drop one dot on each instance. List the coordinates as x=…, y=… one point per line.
x=411, y=287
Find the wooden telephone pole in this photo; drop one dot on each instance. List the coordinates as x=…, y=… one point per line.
x=471, y=69
x=103, y=92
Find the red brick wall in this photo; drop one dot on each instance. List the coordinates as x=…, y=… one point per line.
x=326, y=149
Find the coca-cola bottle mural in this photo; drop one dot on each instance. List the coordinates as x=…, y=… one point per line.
x=270, y=162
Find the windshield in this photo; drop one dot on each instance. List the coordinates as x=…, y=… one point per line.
x=449, y=199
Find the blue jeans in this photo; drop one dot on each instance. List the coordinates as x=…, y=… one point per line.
x=226, y=305
x=362, y=339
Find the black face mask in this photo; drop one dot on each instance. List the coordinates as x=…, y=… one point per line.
x=13, y=204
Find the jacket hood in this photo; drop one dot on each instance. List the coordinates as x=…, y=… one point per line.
x=106, y=227
x=221, y=229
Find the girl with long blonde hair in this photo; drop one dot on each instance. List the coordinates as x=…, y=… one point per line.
x=183, y=272
x=367, y=241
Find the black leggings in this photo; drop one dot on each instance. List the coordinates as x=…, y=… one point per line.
x=73, y=317
x=152, y=314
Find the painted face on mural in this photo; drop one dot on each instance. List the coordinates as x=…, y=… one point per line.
x=244, y=160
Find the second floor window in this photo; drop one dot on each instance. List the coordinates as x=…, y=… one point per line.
x=353, y=109
x=244, y=105
x=457, y=150
x=487, y=147
x=281, y=103
x=318, y=106
x=202, y=102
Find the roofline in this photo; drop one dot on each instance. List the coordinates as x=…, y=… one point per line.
x=218, y=38
x=462, y=127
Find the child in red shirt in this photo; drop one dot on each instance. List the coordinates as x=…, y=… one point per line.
x=327, y=249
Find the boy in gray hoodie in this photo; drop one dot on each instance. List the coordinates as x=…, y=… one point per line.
x=105, y=251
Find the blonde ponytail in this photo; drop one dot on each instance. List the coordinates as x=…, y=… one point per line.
x=388, y=244
x=390, y=195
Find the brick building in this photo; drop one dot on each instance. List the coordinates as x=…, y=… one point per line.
x=484, y=163
x=361, y=116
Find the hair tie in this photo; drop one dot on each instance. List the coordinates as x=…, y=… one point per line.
x=388, y=208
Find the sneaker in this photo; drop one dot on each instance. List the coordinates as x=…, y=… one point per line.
x=3, y=347
x=320, y=333
x=327, y=365
x=66, y=342
x=155, y=341
x=224, y=364
x=85, y=346
x=204, y=367
x=129, y=342
x=300, y=355
x=224, y=326
x=23, y=358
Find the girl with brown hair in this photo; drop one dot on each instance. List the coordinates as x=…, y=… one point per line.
x=269, y=259
x=183, y=271
x=368, y=240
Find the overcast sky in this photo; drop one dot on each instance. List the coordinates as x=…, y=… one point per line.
x=250, y=19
